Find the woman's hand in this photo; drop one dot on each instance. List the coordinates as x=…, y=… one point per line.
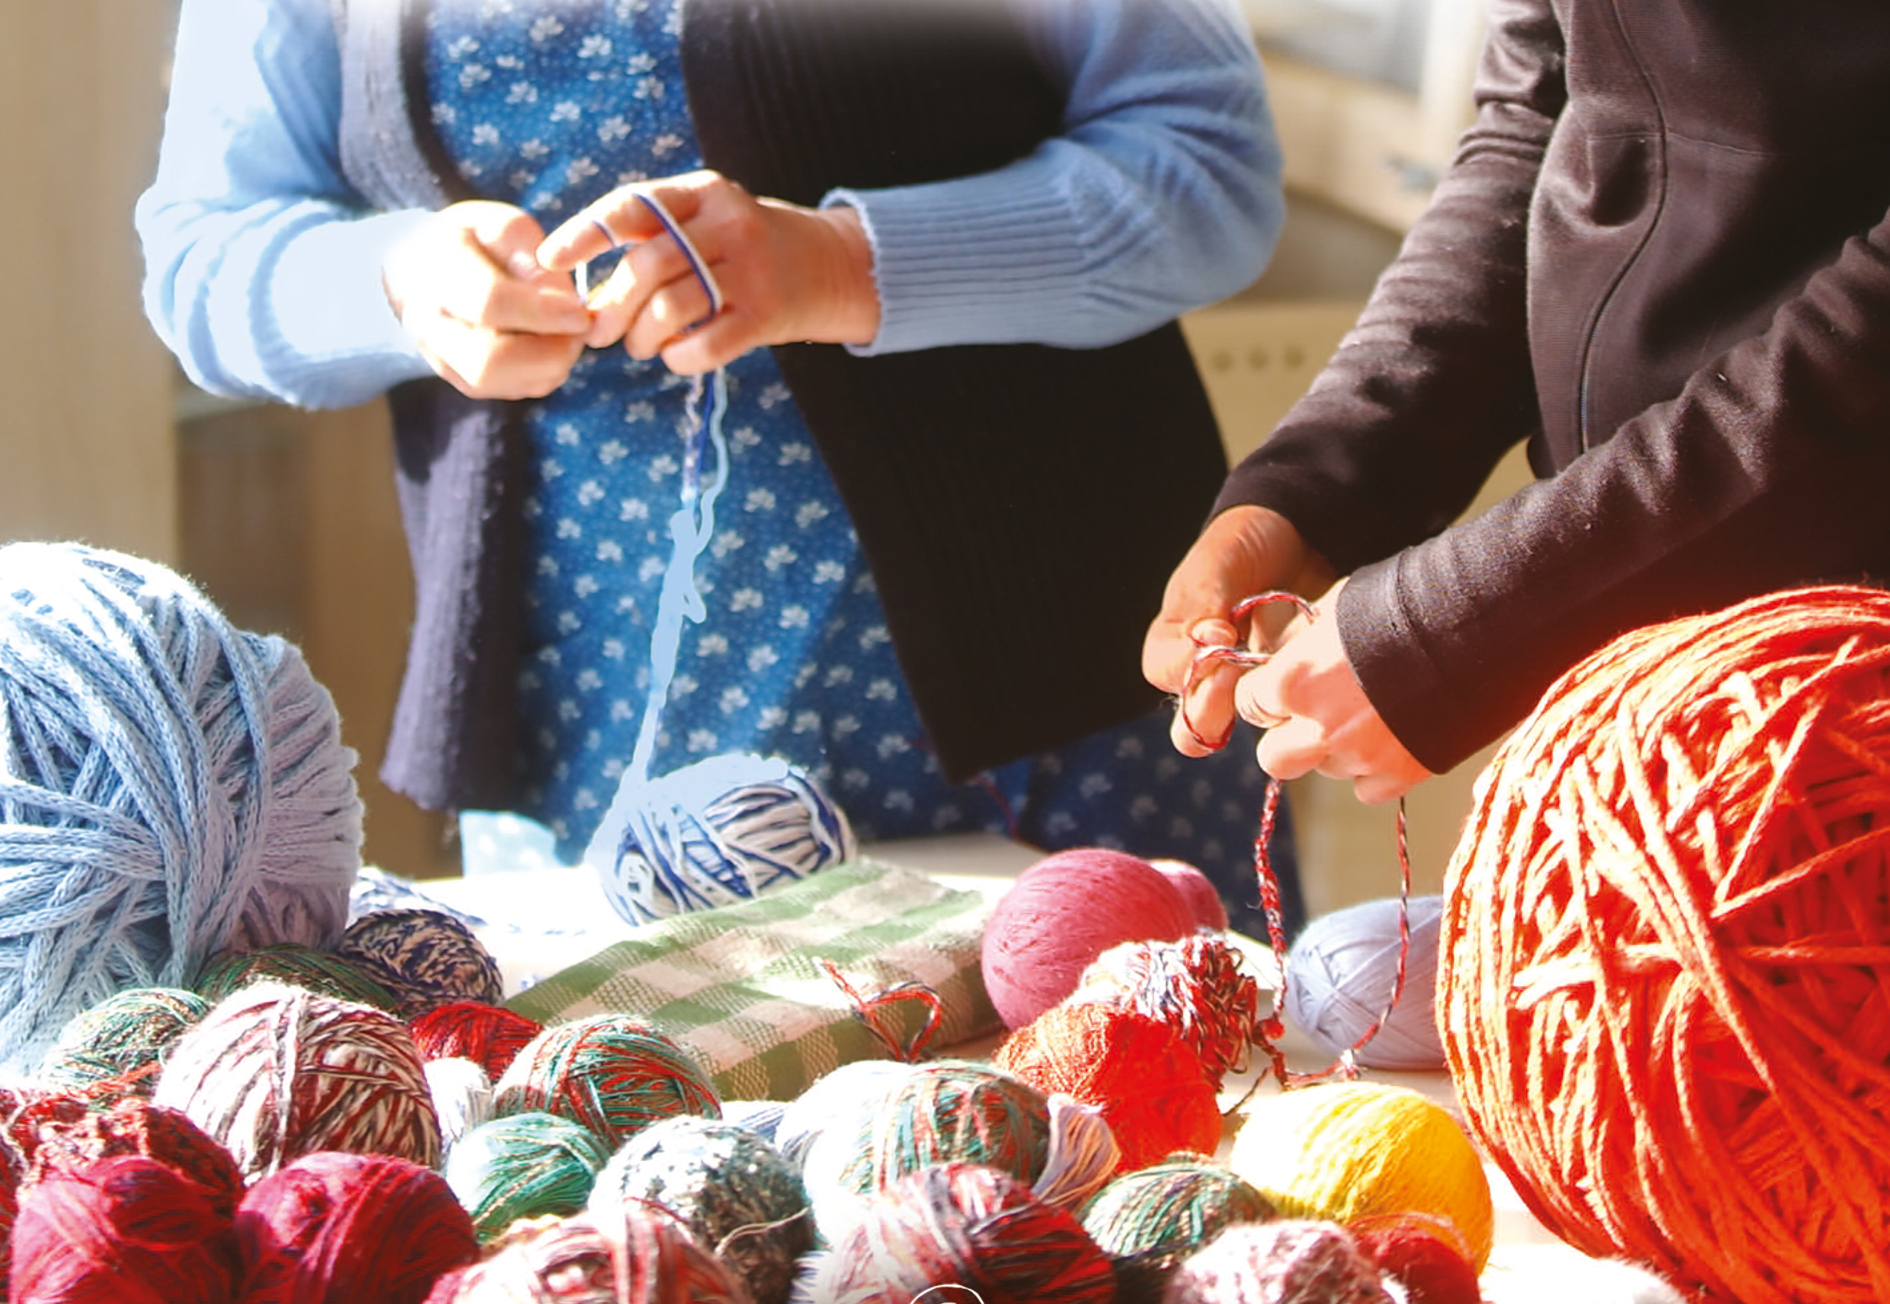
x=1243, y=551
x=468, y=287
x=1317, y=717
x=786, y=273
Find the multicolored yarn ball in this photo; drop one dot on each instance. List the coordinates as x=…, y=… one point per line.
x=1149, y=1220
x=425, y=958
x=1343, y=971
x=66, y=1134
x=1348, y=1151
x=1199, y=986
x=732, y=1189
x=612, y=1073
x=1141, y=1075
x=762, y=1117
x=838, y=1099
x=1198, y=890
x=1424, y=1255
x=714, y=833
x=524, y=1165
x=488, y=1034
x=462, y=1096
x=1666, y=948
x=337, y=1228
x=11, y=1173
x=278, y=1072
x=967, y=1226
x=947, y=1111
x=646, y=1257
x=1288, y=1261
x=122, y=1230
x=121, y=1040
x=175, y=787
x=293, y=965
x=1063, y=912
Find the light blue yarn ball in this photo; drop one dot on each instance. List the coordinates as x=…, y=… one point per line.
x=1341, y=972
x=715, y=833
x=170, y=787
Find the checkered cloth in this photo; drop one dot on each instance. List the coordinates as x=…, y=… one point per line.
x=742, y=986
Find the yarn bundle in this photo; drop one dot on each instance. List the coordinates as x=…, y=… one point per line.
x=313, y=969
x=524, y=1165
x=1287, y=1261
x=1345, y=966
x=489, y=1035
x=1149, y=1220
x=67, y=1134
x=1198, y=986
x=123, y=1040
x=173, y=787
x=610, y=1073
x=644, y=1257
x=1666, y=948
x=424, y=958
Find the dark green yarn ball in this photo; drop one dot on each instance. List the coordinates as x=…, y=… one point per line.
x=523, y=1166
x=294, y=965
x=1147, y=1221
x=122, y=1039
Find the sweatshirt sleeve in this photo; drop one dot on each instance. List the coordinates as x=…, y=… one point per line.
x=1161, y=194
x=262, y=267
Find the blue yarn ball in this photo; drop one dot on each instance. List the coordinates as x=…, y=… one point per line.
x=715, y=833
x=1342, y=970
x=170, y=787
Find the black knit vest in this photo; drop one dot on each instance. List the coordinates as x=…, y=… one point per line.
x=1020, y=505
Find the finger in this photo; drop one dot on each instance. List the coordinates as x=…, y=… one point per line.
x=619, y=218
x=668, y=314
x=485, y=364
x=707, y=345
x=1293, y=750
x=476, y=287
x=1257, y=699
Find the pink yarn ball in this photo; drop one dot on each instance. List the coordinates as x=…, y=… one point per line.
x=1061, y=914
x=1198, y=890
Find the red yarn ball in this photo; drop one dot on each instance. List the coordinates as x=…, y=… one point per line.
x=335, y=1228
x=1426, y=1255
x=1145, y=1079
x=123, y=1230
x=60, y=1134
x=967, y=1226
x=1198, y=890
x=1666, y=947
x=1063, y=912
x=491, y=1036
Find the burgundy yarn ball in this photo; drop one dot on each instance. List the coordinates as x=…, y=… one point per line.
x=643, y=1257
x=123, y=1230
x=61, y=1134
x=1426, y=1254
x=1198, y=890
x=337, y=1228
x=968, y=1226
x=9, y=1207
x=1063, y=912
x=491, y=1036
x=1289, y=1261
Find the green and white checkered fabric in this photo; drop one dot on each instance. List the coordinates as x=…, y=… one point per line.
x=742, y=988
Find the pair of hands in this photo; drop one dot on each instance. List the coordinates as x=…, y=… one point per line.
x=491, y=301
x=1316, y=717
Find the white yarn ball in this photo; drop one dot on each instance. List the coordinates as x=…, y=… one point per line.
x=1341, y=972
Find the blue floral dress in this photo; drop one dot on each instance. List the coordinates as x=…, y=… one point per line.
x=548, y=106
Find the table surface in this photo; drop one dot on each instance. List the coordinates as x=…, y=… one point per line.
x=541, y=920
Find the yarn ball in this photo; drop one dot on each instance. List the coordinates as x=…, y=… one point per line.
x=1145, y=1080
x=644, y=1257
x=65, y=1134
x=1288, y=1261
x=762, y=1117
x=174, y=787
x=294, y=965
x=122, y=1230
x=1064, y=911
x=714, y=833
x=942, y=1112
x=277, y=1072
x=1346, y=1151
x=523, y=1165
x=490, y=1035
x=425, y=958
x=1198, y=890
x=1198, y=986
x=729, y=1187
x=462, y=1096
x=1149, y=1220
x=837, y=1099
x=121, y=1040
x=1426, y=1256
x=1666, y=946
x=611, y=1073
x=968, y=1226
x=336, y=1228
x=1342, y=971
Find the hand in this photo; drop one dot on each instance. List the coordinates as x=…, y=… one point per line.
x=1318, y=719
x=786, y=273
x=1242, y=552
x=468, y=288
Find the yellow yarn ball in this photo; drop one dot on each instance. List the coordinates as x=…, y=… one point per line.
x=1346, y=1151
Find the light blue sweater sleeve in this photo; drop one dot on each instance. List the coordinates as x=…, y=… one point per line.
x=1162, y=193
x=262, y=268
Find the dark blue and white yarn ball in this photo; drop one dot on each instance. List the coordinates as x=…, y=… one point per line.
x=714, y=833
x=424, y=958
